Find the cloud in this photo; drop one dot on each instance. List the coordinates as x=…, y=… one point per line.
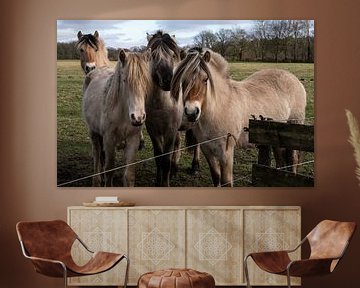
x=130, y=33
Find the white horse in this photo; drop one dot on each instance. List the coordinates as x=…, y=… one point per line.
x=114, y=110
x=219, y=105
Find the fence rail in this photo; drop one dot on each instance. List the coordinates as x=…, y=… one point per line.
x=270, y=134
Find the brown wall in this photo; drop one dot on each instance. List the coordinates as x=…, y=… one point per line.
x=28, y=120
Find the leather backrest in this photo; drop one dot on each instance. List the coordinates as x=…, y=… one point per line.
x=329, y=238
x=47, y=239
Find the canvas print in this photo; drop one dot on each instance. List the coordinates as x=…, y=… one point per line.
x=185, y=103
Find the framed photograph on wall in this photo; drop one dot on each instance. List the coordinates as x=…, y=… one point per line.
x=185, y=103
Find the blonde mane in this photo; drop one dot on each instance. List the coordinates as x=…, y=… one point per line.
x=137, y=77
x=188, y=70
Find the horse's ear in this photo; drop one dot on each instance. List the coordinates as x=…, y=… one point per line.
x=183, y=54
x=148, y=36
x=79, y=35
x=207, y=57
x=96, y=34
x=122, y=56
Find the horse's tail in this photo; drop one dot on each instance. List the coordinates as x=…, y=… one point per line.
x=190, y=140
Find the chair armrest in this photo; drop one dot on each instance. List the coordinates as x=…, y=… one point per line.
x=84, y=245
x=309, y=267
x=49, y=267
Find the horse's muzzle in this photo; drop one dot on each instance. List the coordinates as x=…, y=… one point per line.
x=139, y=120
x=192, y=115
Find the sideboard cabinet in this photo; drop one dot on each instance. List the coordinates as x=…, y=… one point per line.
x=210, y=239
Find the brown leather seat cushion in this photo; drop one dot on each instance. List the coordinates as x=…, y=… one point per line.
x=176, y=278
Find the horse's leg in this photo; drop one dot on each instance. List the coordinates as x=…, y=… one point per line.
x=130, y=150
x=142, y=141
x=190, y=140
x=166, y=160
x=96, y=140
x=176, y=155
x=279, y=155
x=195, y=165
x=226, y=164
x=109, y=148
x=157, y=151
x=213, y=162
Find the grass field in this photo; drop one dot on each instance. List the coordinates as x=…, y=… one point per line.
x=74, y=158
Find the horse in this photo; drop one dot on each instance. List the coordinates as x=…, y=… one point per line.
x=163, y=114
x=93, y=52
x=114, y=111
x=218, y=105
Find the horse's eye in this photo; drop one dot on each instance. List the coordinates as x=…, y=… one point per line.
x=205, y=80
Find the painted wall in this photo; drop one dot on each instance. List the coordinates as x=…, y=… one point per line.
x=28, y=120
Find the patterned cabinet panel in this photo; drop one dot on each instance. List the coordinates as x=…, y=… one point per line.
x=209, y=239
x=271, y=229
x=156, y=240
x=214, y=244
x=101, y=230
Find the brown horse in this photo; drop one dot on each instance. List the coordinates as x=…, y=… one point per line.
x=114, y=111
x=93, y=52
x=163, y=114
x=218, y=105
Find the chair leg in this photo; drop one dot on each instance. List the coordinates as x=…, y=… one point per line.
x=246, y=272
x=288, y=278
x=65, y=275
x=127, y=271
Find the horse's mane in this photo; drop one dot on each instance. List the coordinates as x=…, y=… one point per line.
x=137, y=76
x=161, y=44
x=189, y=68
x=90, y=40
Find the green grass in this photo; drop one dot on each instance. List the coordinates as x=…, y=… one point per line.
x=74, y=156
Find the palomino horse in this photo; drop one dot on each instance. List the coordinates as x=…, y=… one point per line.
x=163, y=114
x=219, y=105
x=114, y=110
x=93, y=52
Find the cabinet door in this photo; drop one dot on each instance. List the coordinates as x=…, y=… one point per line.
x=101, y=230
x=156, y=240
x=270, y=230
x=214, y=244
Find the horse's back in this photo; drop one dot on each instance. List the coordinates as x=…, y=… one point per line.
x=279, y=89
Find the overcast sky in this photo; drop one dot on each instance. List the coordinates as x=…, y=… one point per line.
x=129, y=33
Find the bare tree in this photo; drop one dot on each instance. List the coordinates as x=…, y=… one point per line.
x=205, y=39
x=239, y=42
x=223, y=40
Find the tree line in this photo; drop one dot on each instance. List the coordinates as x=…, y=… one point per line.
x=268, y=41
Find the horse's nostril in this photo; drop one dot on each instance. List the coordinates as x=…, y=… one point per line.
x=144, y=116
x=132, y=116
x=197, y=110
x=186, y=111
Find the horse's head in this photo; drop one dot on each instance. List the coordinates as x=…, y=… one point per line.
x=165, y=55
x=135, y=83
x=88, y=46
x=191, y=80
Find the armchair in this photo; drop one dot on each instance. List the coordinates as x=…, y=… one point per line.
x=328, y=242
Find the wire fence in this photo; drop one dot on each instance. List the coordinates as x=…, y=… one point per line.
x=228, y=136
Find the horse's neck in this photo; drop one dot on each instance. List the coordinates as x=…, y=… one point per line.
x=102, y=58
x=159, y=99
x=113, y=99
